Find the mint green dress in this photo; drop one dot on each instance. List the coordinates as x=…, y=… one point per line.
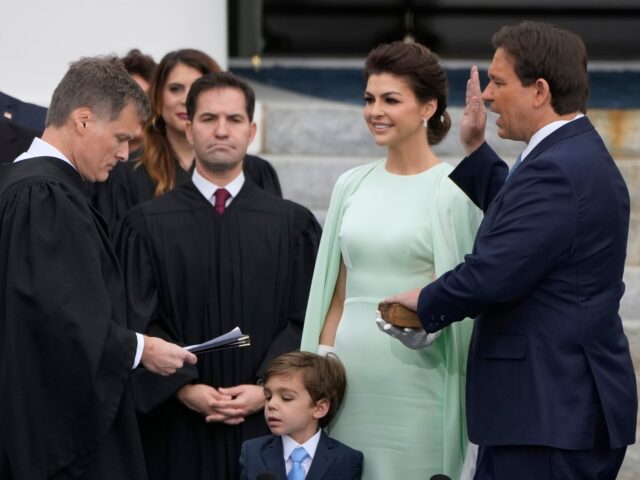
x=404, y=409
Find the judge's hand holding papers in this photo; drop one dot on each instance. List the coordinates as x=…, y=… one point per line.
x=164, y=358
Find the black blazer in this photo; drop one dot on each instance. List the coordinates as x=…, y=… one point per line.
x=332, y=461
x=549, y=363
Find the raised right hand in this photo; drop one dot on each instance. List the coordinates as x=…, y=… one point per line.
x=474, y=118
x=164, y=358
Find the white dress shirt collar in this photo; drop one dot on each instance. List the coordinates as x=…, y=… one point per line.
x=40, y=148
x=544, y=132
x=207, y=188
x=289, y=445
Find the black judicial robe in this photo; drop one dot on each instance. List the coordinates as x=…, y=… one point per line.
x=130, y=184
x=192, y=275
x=66, y=404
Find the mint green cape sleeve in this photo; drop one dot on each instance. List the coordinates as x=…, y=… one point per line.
x=327, y=265
x=456, y=220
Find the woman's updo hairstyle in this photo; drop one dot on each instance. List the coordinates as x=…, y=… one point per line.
x=419, y=67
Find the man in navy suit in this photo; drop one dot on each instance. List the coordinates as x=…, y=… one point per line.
x=551, y=389
x=27, y=115
x=303, y=392
x=14, y=140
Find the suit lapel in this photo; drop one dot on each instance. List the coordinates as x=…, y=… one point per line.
x=273, y=457
x=571, y=129
x=323, y=459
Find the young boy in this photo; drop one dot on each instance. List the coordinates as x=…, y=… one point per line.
x=303, y=392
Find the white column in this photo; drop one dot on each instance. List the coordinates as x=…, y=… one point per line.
x=39, y=39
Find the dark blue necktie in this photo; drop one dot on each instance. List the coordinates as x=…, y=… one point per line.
x=297, y=470
x=514, y=167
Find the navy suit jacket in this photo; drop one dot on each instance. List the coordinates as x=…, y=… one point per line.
x=332, y=461
x=14, y=140
x=27, y=115
x=549, y=363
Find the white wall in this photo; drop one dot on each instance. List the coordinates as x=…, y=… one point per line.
x=39, y=39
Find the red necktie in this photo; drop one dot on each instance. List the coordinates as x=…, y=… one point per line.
x=222, y=195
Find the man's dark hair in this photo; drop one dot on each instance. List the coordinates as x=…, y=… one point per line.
x=137, y=63
x=100, y=84
x=559, y=56
x=213, y=81
x=323, y=377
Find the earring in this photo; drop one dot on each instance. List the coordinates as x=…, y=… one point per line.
x=424, y=122
x=155, y=122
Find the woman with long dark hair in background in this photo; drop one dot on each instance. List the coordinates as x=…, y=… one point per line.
x=167, y=159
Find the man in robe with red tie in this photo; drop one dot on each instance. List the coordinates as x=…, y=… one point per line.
x=215, y=253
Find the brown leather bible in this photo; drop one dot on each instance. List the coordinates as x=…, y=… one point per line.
x=399, y=316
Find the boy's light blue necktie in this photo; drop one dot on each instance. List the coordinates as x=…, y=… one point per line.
x=297, y=470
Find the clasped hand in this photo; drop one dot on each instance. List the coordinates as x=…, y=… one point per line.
x=224, y=405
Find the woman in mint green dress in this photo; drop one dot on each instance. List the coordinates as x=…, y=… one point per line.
x=392, y=226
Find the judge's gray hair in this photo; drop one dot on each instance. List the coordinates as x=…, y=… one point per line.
x=100, y=84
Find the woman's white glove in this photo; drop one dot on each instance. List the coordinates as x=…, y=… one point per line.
x=324, y=350
x=412, y=338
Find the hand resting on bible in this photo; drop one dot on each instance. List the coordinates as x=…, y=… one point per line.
x=412, y=338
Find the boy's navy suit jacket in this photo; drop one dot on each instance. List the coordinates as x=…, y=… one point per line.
x=332, y=461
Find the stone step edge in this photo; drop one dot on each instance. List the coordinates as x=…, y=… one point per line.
x=345, y=130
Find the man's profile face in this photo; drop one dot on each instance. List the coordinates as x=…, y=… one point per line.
x=509, y=98
x=104, y=142
x=220, y=131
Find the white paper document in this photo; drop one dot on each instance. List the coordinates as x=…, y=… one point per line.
x=232, y=339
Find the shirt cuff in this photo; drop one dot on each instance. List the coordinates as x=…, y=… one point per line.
x=139, y=348
x=324, y=350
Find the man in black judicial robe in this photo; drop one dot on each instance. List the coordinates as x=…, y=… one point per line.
x=193, y=274
x=66, y=356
